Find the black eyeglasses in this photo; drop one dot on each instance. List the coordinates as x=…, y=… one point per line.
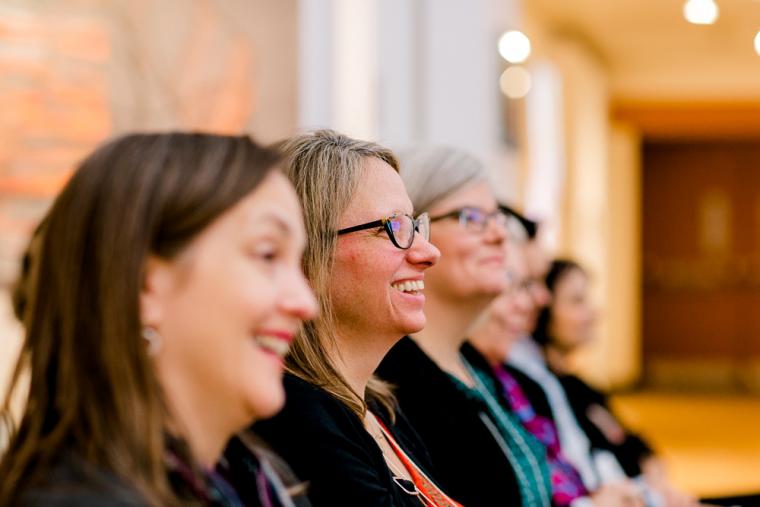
x=474, y=219
x=400, y=228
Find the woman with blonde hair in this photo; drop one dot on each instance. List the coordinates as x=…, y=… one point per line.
x=366, y=261
x=158, y=298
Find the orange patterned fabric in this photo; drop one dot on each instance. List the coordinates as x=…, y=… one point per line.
x=430, y=494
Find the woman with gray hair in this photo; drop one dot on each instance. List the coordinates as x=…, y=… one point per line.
x=481, y=454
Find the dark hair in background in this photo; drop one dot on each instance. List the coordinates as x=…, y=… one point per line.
x=20, y=288
x=93, y=391
x=530, y=226
x=558, y=270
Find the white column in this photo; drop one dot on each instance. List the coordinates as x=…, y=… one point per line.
x=315, y=64
x=546, y=151
x=405, y=71
x=355, y=71
x=400, y=110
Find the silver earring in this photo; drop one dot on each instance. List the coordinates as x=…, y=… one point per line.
x=150, y=335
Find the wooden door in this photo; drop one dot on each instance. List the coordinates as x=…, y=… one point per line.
x=701, y=239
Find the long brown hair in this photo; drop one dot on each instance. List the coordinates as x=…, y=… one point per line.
x=92, y=389
x=326, y=167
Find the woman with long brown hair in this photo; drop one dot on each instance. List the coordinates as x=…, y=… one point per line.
x=161, y=297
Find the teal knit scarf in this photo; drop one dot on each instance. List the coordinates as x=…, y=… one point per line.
x=525, y=453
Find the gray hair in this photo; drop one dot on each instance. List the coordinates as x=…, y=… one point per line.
x=431, y=173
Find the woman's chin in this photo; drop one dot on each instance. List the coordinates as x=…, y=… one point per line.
x=412, y=324
x=264, y=406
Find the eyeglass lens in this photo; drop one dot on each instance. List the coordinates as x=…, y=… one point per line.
x=403, y=227
x=475, y=219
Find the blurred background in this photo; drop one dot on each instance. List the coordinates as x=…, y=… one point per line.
x=629, y=128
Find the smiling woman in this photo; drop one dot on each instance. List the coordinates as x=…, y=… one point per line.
x=482, y=455
x=366, y=260
x=159, y=291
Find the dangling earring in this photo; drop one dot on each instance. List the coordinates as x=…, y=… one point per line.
x=150, y=335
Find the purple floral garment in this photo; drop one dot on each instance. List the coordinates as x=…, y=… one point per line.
x=567, y=484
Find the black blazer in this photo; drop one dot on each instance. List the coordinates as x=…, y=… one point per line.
x=630, y=451
x=469, y=463
x=328, y=447
x=72, y=482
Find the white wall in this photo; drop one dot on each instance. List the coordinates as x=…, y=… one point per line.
x=407, y=71
x=584, y=181
x=586, y=222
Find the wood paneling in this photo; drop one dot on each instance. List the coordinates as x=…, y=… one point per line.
x=701, y=251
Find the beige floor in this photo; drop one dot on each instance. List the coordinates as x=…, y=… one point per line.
x=710, y=442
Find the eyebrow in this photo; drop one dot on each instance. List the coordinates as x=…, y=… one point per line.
x=281, y=224
x=481, y=208
x=402, y=212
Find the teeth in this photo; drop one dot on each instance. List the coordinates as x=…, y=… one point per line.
x=409, y=286
x=272, y=344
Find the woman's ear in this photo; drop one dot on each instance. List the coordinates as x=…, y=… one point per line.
x=155, y=291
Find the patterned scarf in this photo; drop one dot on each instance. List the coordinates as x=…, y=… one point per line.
x=567, y=484
x=212, y=488
x=206, y=487
x=526, y=454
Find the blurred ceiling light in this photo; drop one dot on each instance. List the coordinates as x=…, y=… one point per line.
x=757, y=43
x=515, y=82
x=700, y=12
x=514, y=46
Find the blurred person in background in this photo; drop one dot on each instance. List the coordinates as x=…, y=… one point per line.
x=537, y=263
x=507, y=320
x=540, y=385
x=482, y=454
x=367, y=257
x=565, y=325
x=160, y=295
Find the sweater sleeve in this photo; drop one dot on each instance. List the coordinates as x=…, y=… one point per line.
x=77, y=499
x=629, y=449
x=74, y=483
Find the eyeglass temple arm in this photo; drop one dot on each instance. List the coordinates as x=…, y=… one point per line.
x=369, y=225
